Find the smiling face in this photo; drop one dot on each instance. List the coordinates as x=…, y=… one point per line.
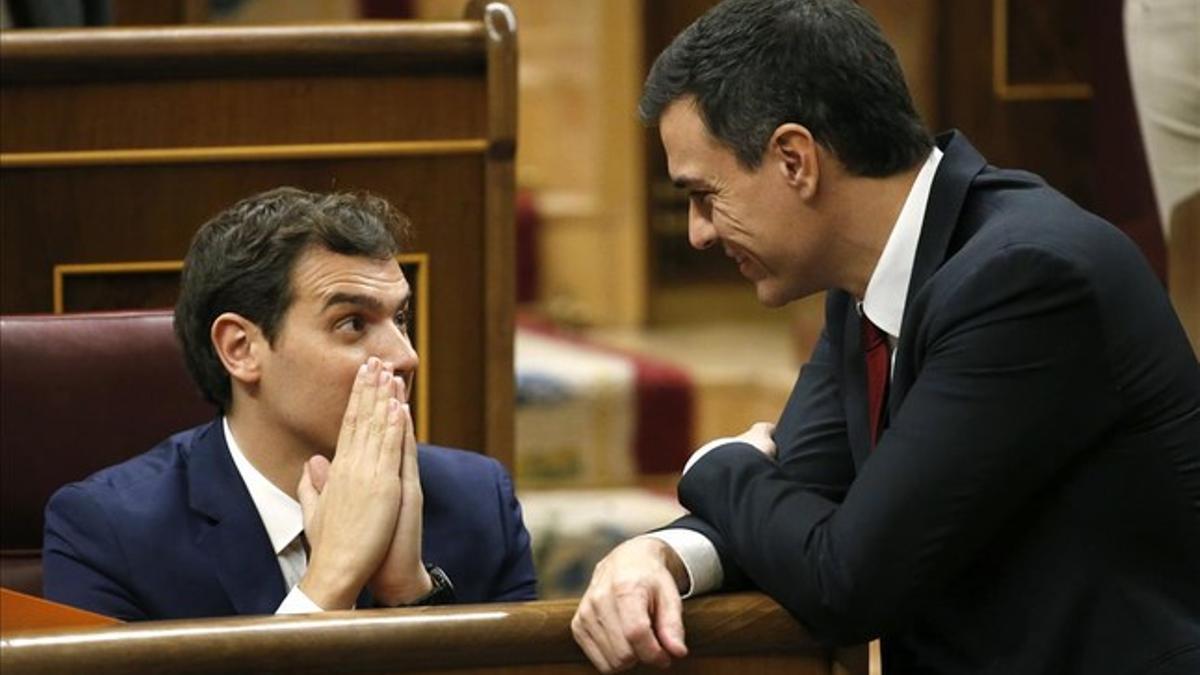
x=760, y=217
x=344, y=310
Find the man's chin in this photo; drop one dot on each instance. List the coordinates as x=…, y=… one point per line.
x=769, y=296
x=775, y=296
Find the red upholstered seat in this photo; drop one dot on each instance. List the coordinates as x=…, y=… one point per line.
x=79, y=392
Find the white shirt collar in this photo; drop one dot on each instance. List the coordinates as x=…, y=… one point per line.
x=887, y=290
x=280, y=514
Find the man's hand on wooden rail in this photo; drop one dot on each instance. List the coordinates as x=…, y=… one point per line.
x=632, y=611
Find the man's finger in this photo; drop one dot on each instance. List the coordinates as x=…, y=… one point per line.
x=389, y=453
x=611, y=635
x=410, y=472
x=583, y=638
x=308, y=498
x=351, y=417
x=366, y=404
x=636, y=627
x=668, y=618
x=373, y=444
x=765, y=427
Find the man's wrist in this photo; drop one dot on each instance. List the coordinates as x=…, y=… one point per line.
x=404, y=594
x=327, y=596
x=442, y=592
x=675, y=566
x=669, y=558
x=697, y=556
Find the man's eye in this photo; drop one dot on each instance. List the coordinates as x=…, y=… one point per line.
x=352, y=324
x=401, y=318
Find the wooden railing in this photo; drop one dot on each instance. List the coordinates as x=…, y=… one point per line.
x=740, y=633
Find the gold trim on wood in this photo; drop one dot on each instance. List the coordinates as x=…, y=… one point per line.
x=1007, y=91
x=88, y=269
x=242, y=153
x=421, y=260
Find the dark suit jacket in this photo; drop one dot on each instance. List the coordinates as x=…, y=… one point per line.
x=1034, y=504
x=173, y=533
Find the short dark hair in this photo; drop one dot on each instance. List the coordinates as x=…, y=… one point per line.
x=753, y=65
x=241, y=261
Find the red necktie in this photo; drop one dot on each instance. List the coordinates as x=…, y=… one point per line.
x=878, y=357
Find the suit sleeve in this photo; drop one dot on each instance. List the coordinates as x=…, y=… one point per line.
x=515, y=580
x=1010, y=387
x=813, y=448
x=82, y=561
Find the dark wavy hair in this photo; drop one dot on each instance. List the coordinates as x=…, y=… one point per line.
x=241, y=261
x=753, y=65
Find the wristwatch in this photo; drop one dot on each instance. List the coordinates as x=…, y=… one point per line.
x=442, y=592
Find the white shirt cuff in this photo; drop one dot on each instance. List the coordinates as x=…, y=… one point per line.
x=699, y=557
x=297, y=602
x=704, y=450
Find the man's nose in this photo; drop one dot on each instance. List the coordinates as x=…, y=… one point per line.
x=400, y=352
x=701, y=233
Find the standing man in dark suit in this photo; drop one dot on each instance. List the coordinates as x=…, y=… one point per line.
x=310, y=492
x=992, y=459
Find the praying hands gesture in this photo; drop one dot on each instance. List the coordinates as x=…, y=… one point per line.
x=362, y=511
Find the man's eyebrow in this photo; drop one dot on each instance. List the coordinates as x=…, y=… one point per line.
x=368, y=302
x=686, y=182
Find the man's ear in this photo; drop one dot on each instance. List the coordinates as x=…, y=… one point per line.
x=239, y=344
x=794, y=151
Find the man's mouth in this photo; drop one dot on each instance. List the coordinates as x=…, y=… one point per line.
x=740, y=259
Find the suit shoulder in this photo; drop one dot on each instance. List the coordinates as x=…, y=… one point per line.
x=450, y=465
x=1016, y=208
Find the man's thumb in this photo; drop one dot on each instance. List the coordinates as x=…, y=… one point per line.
x=318, y=471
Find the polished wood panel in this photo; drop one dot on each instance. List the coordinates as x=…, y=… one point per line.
x=725, y=634
x=229, y=112
x=203, y=51
x=1037, y=126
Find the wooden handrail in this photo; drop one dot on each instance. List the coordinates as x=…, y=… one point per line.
x=167, y=53
x=513, y=635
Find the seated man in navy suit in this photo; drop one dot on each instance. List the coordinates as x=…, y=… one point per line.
x=309, y=493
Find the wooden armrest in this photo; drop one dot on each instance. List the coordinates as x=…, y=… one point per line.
x=725, y=633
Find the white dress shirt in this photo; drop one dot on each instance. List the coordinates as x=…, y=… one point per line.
x=883, y=303
x=284, y=522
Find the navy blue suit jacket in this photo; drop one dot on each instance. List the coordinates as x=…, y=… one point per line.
x=173, y=533
x=1034, y=503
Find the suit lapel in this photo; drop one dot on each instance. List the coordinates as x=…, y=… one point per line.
x=233, y=536
x=958, y=168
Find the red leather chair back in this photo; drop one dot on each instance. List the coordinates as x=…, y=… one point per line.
x=79, y=392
